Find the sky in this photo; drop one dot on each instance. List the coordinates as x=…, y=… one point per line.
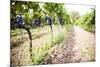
x=89, y=2
x=82, y=6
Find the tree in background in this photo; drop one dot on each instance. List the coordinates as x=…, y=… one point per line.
x=75, y=15
x=87, y=21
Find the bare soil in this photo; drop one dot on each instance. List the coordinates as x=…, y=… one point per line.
x=78, y=47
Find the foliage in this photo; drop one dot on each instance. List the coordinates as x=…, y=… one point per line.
x=34, y=10
x=55, y=10
x=87, y=21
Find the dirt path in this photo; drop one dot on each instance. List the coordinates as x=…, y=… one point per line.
x=79, y=47
x=85, y=45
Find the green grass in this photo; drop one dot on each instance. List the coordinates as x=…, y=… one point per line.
x=40, y=53
x=14, y=32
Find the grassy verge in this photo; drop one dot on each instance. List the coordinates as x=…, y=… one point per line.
x=40, y=53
